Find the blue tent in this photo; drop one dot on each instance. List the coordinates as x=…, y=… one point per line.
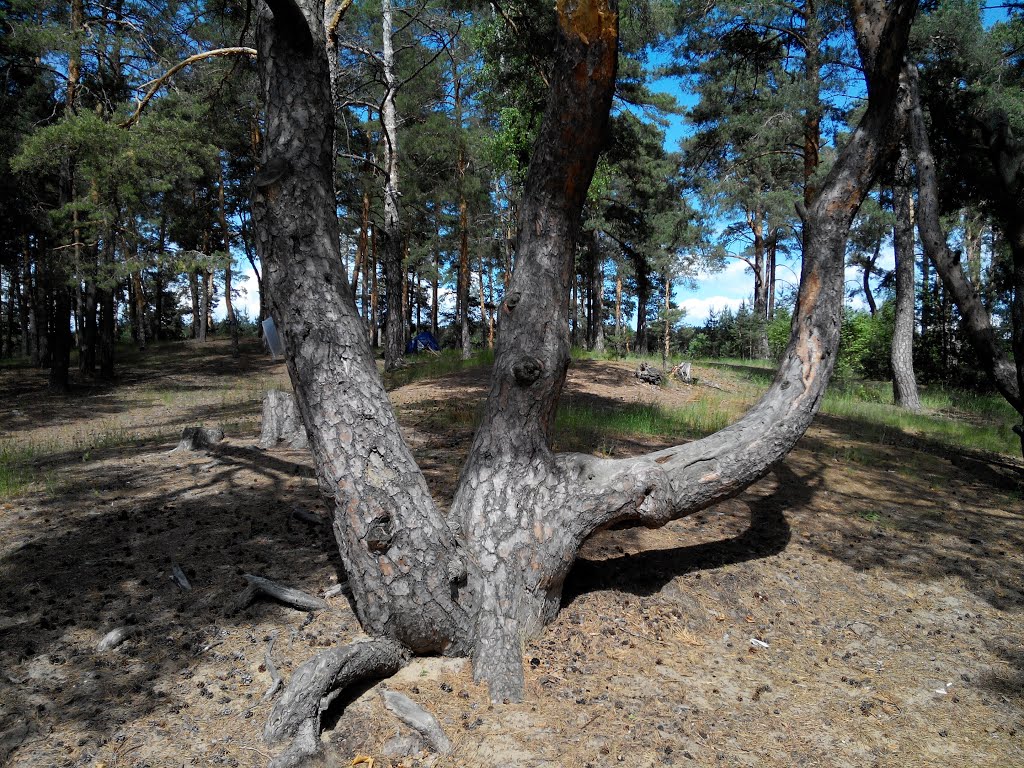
x=421, y=341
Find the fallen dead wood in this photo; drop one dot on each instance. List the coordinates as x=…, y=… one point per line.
x=683, y=372
x=258, y=586
x=116, y=636
x=307, y=517
x=198, y=438
x=648, y=374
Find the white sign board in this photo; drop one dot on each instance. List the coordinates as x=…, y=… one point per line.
x=273, y=338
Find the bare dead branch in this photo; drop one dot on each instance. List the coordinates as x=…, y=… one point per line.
x=159, y=82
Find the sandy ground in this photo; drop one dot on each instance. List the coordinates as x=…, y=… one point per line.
x=860, y=606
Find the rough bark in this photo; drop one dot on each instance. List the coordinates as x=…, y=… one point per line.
x=947, y=264
x=904, y=383
x=396, y=546
x=297, y=714
x=491, y=574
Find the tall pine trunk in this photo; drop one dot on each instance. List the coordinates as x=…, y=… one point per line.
x=391, y=234
x=933, y=238
x=902, y=357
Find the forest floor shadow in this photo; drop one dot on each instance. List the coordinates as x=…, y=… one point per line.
x=858, y=601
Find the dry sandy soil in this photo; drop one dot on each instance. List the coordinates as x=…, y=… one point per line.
x=862, y=605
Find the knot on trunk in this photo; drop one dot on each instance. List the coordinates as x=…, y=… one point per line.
x=269, y=174
x=527, y=371
x=512, y=300
x=379, y=535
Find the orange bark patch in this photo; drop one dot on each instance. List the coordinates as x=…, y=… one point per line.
x=588, y=20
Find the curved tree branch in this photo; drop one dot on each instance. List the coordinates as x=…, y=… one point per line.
x=157, y=84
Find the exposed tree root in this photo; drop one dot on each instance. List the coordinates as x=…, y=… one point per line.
x=316, y=684
x=275, y=676
x=417, y=718
x=258, y=585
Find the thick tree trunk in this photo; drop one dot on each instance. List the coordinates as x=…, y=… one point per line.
x=933, y=238
x=904, y=383
x=399, y=553
x=491, y=574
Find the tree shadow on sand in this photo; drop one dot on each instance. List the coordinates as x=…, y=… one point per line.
x=647, y=572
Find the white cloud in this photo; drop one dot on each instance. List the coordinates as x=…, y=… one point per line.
x=697, y=309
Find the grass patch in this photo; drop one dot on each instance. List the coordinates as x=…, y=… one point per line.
x=25, y=464
x=982, y=430
x=429, y=366
x=583, y=427
x=952, y=418
x=16, y=471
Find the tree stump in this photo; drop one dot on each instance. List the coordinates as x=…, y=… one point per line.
x=683, y=372
x=281, y=421
x=648, y=374
x=198, y=438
